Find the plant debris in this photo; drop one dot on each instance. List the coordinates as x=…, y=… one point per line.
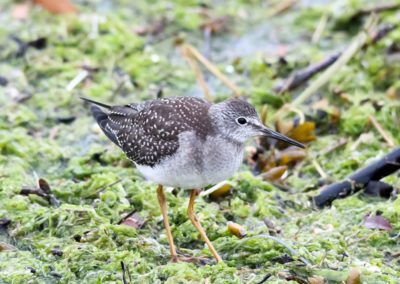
x=385, y=166
x=43, y=190
x=376, y=222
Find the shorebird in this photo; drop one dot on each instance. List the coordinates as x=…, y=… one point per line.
x=183, y=142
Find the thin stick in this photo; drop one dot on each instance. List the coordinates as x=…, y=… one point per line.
x=280, y=7
x=211, y=67
x=264, y=114
x=358, y=42
x=289, y=108
x=380, y=8
x=357, y=181
x=77, y=80
x=382, y=131
x=340, y=143
x=213, y=188
x=123, y=272
x=319, y=169
x=320, y=29
x=197, y=73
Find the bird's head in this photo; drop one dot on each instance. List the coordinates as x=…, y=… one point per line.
x=236, y=119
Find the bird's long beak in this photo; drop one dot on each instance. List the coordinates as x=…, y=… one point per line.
x=272, y=134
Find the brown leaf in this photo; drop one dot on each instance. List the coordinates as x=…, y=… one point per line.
x=134, y=221
x=392, y=93
x=354, y=277
x=264, y=114
x=154, y=28
x=21, y=11
x=321, y=104
x=283, y=126
x=316, y=280
x=303, y=132
x=57, y=6
x=376, y=222
x=6, y=247
x=216, y=25
x=274, y=173
x=44, y=186
x=224, y=190
x=272, y=229
x=290, y=155
x=236, y=230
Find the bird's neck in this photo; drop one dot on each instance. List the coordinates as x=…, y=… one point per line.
x=216, y=114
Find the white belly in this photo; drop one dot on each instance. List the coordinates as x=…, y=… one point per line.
x=202, y=163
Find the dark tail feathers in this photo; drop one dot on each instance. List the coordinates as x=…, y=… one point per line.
x=102, y=119
x=96, y=103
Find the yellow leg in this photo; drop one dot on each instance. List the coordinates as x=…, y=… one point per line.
x=195, y=222
x=163, y=205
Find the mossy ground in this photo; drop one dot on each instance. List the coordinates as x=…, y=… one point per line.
x=46, y=131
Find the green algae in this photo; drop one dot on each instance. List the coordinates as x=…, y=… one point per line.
x=97, y=186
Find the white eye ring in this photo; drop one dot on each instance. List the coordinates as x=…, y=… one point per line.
x=241, y=120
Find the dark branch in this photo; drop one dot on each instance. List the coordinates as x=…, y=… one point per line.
x=43, y=190
x=380, y=8
x=301, y=76
x=360, y=180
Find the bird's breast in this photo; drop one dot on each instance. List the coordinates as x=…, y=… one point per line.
x=197, y=162
x=221, y=159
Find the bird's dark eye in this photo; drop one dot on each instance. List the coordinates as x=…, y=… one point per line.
x=241, y=120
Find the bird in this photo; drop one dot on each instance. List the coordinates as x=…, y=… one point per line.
x=183, y=142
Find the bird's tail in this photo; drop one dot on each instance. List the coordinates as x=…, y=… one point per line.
x=100, y=113
x=96, y=103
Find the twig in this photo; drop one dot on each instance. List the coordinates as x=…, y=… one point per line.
x=357, y=181
x=197, y=73
x=78, y=79
x=211, y=67
x=123, y=272
x=43, y=190
x=381, y=32
x=320, y=28
x=380, y=8
x=127, y=216
x=340, y=143
x=129, y=274
x=213, y=188
x=364, y=138
x=358, y=42
x=381, y=131
x=319, y=169
x=264, y=114
x=286, y=108
x=35, y=191
x=101, y=189
x=301, y=76
x=281, y=7
x=266, y=277
x=207, y=41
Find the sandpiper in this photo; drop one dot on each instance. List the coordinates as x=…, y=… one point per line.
x=183, y=142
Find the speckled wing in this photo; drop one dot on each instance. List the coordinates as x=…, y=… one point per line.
x=149, y=132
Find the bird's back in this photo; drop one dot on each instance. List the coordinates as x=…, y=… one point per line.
x=149, y=132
